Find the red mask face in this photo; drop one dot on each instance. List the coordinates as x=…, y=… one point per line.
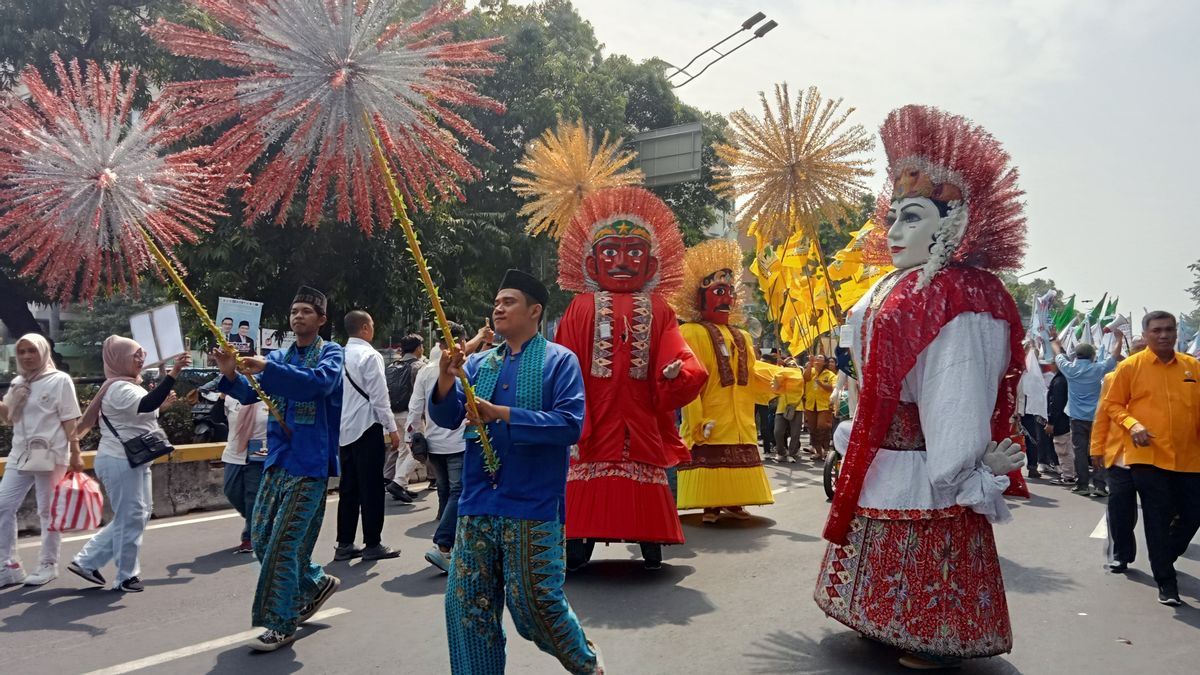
x=621, y=264
x=716, y=297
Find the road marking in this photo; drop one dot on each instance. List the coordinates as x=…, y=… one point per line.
x=36, y=541
x=778, y=490
x=1101, y=531
x=184, y=652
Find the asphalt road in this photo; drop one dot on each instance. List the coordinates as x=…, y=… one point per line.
x=737, y=598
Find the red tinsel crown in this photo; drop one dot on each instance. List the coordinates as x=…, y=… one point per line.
x=629, y=203
x=945, y=157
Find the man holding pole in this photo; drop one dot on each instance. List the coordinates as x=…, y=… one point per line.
x=305, y=384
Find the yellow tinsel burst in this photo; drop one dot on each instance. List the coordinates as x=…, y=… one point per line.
x=565, y=165
x=796, y=166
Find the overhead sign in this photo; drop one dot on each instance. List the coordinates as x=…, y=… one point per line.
x=671, y=155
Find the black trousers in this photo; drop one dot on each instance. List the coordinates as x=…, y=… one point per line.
x=1081, y=441
x=1122, y=514
x=1040, y=447
x=362, y=472
x=765, y=418
x=1170, y=515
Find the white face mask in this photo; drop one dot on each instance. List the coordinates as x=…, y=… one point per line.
x=912, y=224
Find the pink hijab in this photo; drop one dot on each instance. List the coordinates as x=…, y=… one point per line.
x=119, y=366
x=21, y=386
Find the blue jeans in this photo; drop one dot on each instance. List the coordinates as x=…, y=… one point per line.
x=129, y=494
x=241, y=489
x=448, y=470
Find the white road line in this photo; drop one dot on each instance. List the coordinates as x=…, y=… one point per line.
x=184, y=652
x=1101, y=531
x=36, y=541
x=778, y=490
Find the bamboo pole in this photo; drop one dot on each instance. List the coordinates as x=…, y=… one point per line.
x=490, y=461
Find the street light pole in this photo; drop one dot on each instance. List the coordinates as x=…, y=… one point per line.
x=746, y=25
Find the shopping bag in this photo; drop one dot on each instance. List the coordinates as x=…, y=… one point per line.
x=78, y=503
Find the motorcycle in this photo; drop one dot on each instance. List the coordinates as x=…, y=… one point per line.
x=209, y=422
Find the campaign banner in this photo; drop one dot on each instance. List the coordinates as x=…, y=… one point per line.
x=272, y=339
x=239, y=321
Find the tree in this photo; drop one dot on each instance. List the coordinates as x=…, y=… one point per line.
x=1193, y=319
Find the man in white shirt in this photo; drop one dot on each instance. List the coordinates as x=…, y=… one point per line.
x=366, y=417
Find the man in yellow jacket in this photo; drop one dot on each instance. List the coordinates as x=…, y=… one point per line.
x=1155, y=398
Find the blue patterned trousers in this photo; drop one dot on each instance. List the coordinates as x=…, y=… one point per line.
x=287, y=520
x=521, y=562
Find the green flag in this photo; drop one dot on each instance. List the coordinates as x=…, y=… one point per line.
x=1064, y=315
x=1110, y=312
x=1096, y=313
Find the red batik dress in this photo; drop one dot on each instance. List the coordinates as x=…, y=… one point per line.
x=912, y=561
x=617, y=488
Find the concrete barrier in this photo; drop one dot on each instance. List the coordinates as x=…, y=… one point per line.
x=189, y=479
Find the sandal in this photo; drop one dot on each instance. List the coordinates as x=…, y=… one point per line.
x=710, y=516
x=738, y=512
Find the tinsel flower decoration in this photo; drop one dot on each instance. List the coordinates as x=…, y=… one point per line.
x=565, y=165
x=316, y=72
x=83, y=179
x=796, y=166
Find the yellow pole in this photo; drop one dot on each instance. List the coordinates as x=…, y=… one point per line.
x=208, y=322
x=490, y=461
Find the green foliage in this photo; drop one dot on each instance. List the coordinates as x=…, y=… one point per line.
x=1193, y=319
x=110, y=316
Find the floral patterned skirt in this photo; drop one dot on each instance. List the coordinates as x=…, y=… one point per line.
x=930, y=586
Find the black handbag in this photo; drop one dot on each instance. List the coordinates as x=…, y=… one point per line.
x=419, y=446
x=145, y=448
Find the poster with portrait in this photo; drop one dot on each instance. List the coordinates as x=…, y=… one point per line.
x=239, y=322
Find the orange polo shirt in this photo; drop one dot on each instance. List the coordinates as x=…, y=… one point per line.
x=1107, y=435
x=1164, y=398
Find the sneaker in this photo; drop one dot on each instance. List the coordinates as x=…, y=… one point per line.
x=1081, y=489
x=1118, y=567
x=1062, y=481
x=131, y=585
x=1168, y=594
x=438, y=558
x=46, y=572
x=12, y=573
x=432, y=485
x=380, y=552
x=348, y=552
x=93, y=576
x=1100, y=491
x=271, y=640
x=328, y=588
x=1047, y=469
x=244, y=547
x=1033, y=474
x=398, y=493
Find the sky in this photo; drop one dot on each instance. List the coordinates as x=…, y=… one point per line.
x=1097, y=102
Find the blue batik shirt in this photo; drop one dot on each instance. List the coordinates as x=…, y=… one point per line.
x=533, y=447
x=312, y=449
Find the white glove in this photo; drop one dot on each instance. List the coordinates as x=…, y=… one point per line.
x=575, y=453
x=707, y=429
x=671, y=371
x=1003, y=457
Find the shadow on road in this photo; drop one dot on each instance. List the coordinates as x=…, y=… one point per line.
x=621, y=594
x=729, y=535
x=1032, y=580
x=60, y=608
x=423, y=583
x=210, y=563
x=353, y=573
x=844, y=652
x=242, y=659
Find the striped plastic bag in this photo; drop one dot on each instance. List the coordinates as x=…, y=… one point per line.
x=78, y=503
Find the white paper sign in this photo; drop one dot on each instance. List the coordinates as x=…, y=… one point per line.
x=846, y=336
x=159, y=333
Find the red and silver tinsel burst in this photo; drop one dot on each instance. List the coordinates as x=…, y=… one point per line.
x=81, y=176
x=316, y=70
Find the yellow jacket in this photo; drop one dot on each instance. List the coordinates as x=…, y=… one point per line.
x=731, y=408
x=815, y=396
x=1106, y=434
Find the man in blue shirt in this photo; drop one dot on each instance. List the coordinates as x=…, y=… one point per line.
x=510, y=537
x=1084, y=377
x=305, y=385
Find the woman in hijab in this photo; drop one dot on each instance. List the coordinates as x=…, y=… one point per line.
x=125, y=411
x=42, y=409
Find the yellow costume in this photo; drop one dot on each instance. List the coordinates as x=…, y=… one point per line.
x=726, y=468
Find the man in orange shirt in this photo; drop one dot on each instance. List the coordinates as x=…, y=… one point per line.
x=1155, y=397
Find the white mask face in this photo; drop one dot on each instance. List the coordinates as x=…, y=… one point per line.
x=912, y=224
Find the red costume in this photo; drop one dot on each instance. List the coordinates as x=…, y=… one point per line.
x=622, y=250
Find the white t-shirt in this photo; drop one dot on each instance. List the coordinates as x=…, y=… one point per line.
x=120, y=406
x=234, y=410
x=51, y=402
